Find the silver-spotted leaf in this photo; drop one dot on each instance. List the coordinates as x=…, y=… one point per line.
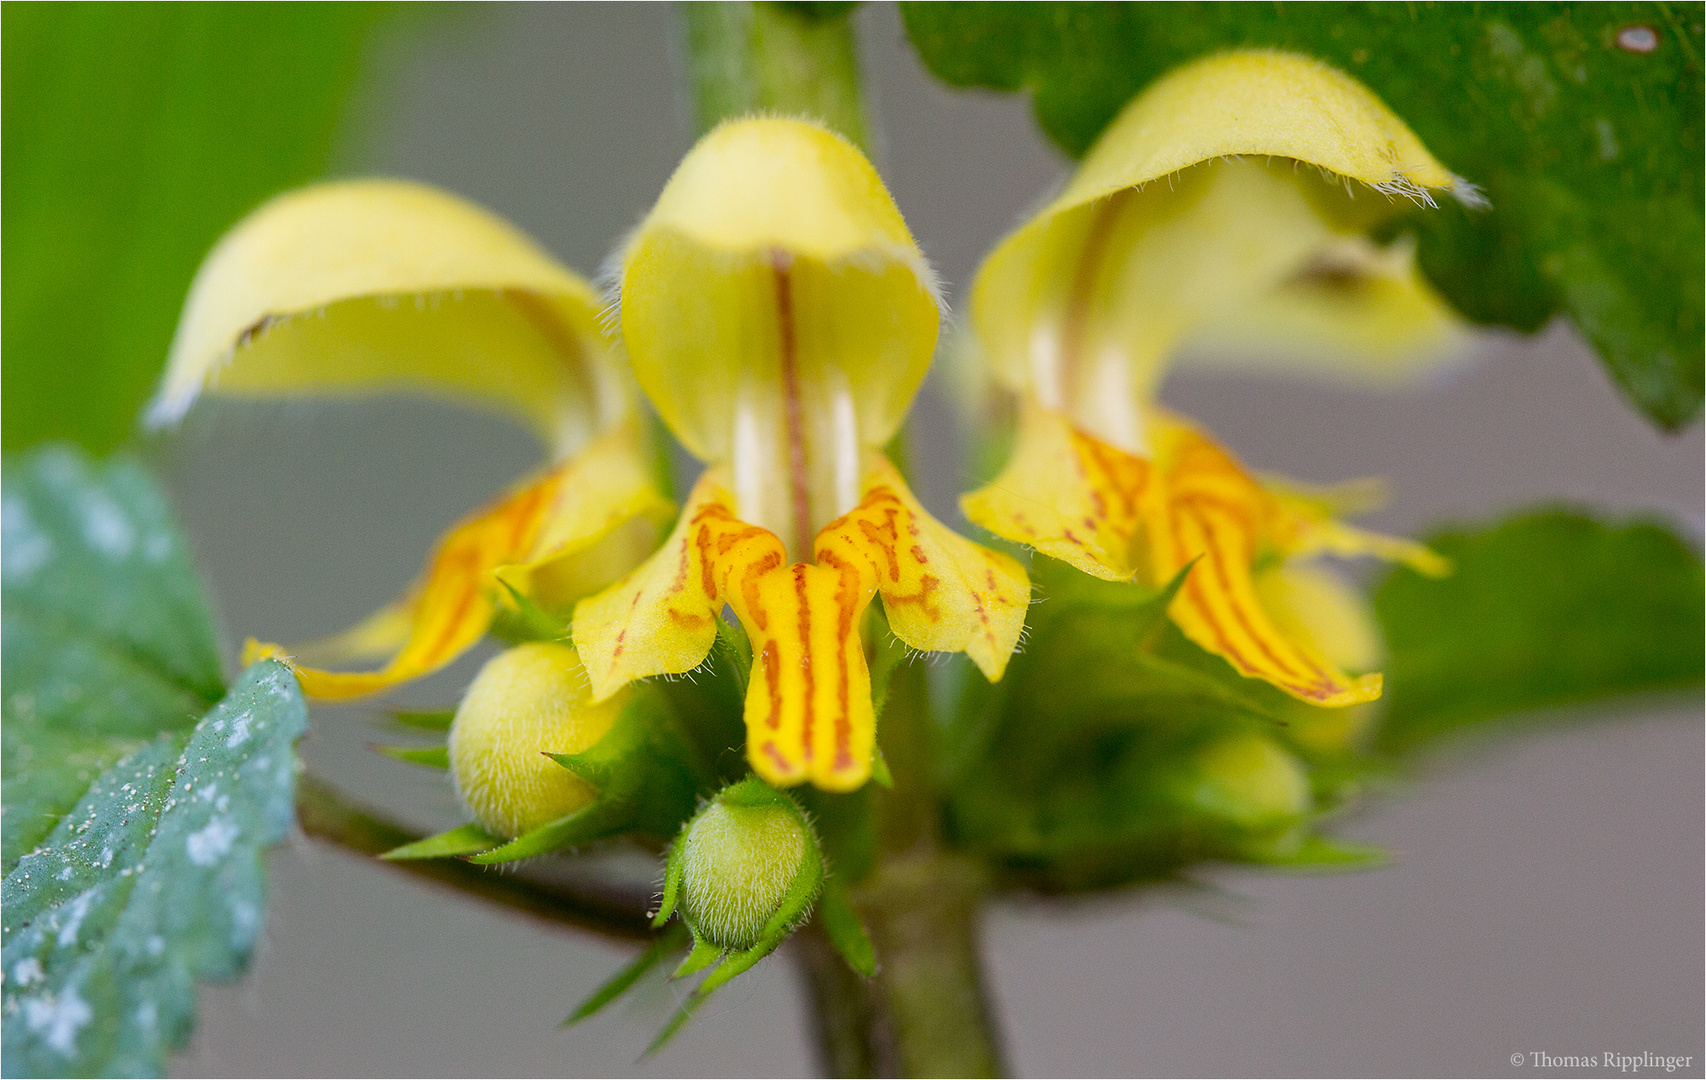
x=152, y=882
x=109, y=637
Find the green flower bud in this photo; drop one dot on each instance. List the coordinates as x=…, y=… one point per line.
x=740, y=858
x=745, y=872
x=1249, y=782
x=526, y=703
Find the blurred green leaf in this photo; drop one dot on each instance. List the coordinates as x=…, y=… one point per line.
x=152, y=882
x=848, y=934
x=424, y=719
x=433, y=757
x=1589, y=148
x=1545, y=609
x=109, y=638
x=134, y=135
x=1098, y=759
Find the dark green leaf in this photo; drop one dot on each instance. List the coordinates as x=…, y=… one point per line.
x=108, y=637
x=134, y=135
x=712, y=701
x=1590, y=149
x=1549, y=608
x=152, y=882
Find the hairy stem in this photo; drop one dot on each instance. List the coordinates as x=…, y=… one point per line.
x=788, y=59
x=326, y=814
x=922, y=911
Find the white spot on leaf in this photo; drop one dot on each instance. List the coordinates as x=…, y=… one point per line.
x=58, y=1021
x=206, y=845
x=105, y=527
x=73, y=920
x=27, y=548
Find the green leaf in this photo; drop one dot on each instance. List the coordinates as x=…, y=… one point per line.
x=109, y=639
x=704, y=954
x=424, y=719
x=433, y=757
x=1325, y=854
x=1590, y=152
x=1547, y=608
x=134, y=135
x=152, y=882
x=462, y=840
x=595, y=822
x=1084, y=767
x=845, y=930
x=523, y=620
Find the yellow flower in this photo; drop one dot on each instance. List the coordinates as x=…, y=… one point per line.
x=1194, y=220
x=780, y=316
x=355, y=289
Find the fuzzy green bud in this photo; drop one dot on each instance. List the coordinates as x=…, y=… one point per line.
x=526, y=703
x=747, y=858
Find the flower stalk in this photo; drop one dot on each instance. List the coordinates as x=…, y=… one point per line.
x=787, y=59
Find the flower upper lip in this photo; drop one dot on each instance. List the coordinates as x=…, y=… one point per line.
x=380, y=286
x=1155, y=241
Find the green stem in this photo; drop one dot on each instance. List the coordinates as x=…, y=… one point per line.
x=325, y=814
x=845, y=1018
x=922, y=911
x=788, y=59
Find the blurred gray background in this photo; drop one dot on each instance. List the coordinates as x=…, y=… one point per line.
x=1547, y=894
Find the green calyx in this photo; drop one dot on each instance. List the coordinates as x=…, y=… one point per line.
x=744, y=873
x=745, y=870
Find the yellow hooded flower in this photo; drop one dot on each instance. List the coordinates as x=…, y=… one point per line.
x=361, y=288
x=1194, y=219
x=780, y=316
